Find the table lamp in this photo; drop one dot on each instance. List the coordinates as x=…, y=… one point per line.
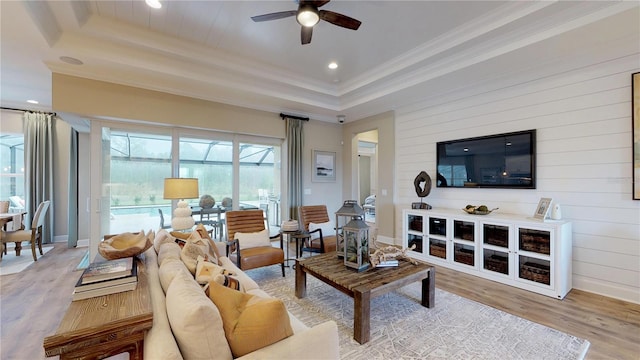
x=181, y=189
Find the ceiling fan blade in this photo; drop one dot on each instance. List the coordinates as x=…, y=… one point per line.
x=305, y=34
x=316, y=3
x=274, y=16
x=340, y=20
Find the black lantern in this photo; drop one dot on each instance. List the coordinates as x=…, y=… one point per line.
x=349, y=209
x=356, y=244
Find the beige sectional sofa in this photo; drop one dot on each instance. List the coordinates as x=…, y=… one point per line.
x=188, y=325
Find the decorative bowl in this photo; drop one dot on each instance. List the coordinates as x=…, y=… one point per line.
x=474, y=211
x=125, y=245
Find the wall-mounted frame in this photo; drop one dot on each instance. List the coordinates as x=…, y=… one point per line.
x=543, y=208
x=635, y=115
x=324, y=166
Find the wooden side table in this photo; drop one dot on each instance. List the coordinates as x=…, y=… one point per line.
x=104, y=326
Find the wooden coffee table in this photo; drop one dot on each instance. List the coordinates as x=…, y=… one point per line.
x=366, y=285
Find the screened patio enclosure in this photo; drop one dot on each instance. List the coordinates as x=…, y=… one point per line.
x=138, y=163
x=11, y=166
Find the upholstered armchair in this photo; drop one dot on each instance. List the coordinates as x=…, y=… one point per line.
x=248, y=241
x=315, y=220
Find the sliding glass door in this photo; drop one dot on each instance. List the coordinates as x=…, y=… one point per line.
x=211, y=162
x=259, y=182
x=130, y=163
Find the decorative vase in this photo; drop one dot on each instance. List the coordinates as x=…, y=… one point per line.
x=556, y=213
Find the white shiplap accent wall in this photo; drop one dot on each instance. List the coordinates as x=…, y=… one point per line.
x=584, y=161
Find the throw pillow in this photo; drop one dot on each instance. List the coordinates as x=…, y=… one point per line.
x=206, y=271
x=195, y=321
x=189, y=255
x=251, y=240
x=247, y=283
x=327, y=228
x=250, y=322
x=213, y=249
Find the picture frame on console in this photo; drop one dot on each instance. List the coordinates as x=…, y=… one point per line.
x=324, y=166
x=635, y=115
x=543, y=208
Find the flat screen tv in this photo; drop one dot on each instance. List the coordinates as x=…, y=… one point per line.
x=494, y=161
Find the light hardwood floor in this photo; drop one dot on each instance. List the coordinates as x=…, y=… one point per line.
x=32, y=304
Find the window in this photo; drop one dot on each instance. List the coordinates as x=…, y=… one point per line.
x=12, y=166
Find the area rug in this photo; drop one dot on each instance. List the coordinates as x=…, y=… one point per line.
x=456, y=328
x=12, y=264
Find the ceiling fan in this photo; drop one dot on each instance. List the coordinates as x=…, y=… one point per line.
x=308, y=15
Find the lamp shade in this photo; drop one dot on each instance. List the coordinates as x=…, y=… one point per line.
x=181, y=188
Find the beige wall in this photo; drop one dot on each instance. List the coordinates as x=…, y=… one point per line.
x=11, y=122
x=323, y=136
x=384, y=123
x=101, y=99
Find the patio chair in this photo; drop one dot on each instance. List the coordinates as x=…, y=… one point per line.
x=162, y=224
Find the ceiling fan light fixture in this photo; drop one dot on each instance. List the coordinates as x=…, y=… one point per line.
x=154, y=3
x=307, y=15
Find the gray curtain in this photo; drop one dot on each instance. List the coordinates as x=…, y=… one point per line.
x=38, y=160
x=295, y=139
x=72, y=241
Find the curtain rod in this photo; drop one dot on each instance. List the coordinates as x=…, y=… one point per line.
x=15, y=109
x=284, y=116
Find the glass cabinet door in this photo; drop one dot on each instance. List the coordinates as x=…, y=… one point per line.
x=415, y=232
x=438, y=237
x=534, y=250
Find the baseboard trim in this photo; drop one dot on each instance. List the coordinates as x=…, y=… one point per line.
x=606, y=289
x=385, y=240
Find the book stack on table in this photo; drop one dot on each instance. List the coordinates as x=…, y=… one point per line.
x=107, y=277
x=388, y=263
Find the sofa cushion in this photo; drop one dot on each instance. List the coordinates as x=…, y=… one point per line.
x=168, y=271
x=328, y=229
x=159, y=342
x=250, y=322
x=168, y=251
x=195, y=320
x=251, y=240
x=162, y=237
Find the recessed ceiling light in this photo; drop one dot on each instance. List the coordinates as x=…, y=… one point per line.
x=32, y=101
x=333, y=65
x=71, y=60
x=154, y=3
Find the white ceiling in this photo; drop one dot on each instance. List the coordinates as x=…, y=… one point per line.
x=404, y=52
